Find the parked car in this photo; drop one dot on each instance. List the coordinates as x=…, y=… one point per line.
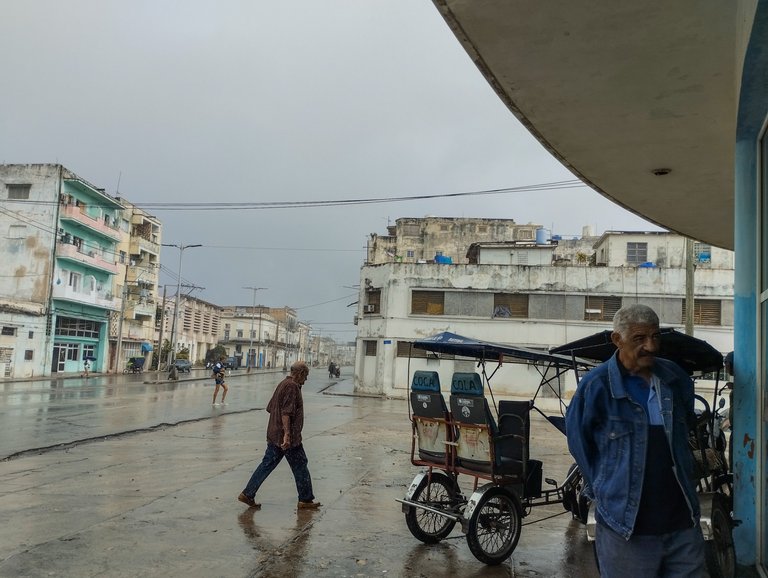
x=231, y=363
x=183, y=365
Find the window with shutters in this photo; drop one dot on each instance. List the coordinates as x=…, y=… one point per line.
x=370, y=348
x=373, y=301
x=18, y=192
x=428, y=302
x=506, y=305
x=637, y=253
x=601, y=308
x=9, y=331
x=404, y=349
x=705, y=311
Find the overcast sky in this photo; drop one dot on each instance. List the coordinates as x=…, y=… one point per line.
x=198, y=101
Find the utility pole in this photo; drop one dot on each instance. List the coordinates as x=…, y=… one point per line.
x=172, y=352
x=253, y=313
x=689, y=286
x=120, y=321
x=160, y=340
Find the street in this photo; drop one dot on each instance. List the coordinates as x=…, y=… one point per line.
x=143, y=480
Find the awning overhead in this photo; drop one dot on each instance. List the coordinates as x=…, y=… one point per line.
x=638, y=99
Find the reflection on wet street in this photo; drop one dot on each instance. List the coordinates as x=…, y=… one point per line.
x=162, y=500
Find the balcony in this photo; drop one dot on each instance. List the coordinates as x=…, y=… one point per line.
x=74, y=214
x=101, y=299
x=70, y=252
x=140, y=310
x=139, y=244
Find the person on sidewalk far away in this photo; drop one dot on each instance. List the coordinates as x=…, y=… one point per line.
x=627, y=428
x=218, y=375
x=286, y=420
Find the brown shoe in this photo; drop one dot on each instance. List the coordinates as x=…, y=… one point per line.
x=249, y=501
x=308, y=505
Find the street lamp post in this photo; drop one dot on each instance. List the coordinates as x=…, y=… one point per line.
x=253, y=312
x=172, y=352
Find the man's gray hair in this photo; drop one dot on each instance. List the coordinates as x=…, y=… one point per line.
x=635, y=314
x=298, y=367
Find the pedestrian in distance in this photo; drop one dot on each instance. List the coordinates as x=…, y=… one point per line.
x=627, y=429
x=286, y=420
x=86, y=368
x=219, y=372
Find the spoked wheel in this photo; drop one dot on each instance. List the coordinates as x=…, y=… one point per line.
x=437, y=491
x=721, y=558
x=494, y=527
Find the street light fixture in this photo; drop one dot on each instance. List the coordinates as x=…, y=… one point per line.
x=172, y=352
x=253, y=309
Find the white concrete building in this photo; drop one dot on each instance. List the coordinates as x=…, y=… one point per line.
x=538, y=306
x=198, y=326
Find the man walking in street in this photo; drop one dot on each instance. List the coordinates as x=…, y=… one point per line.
x=627, y=428
x=286, y=420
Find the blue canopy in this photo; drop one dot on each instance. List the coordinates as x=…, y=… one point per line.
x=146, y=347
x=455, y=344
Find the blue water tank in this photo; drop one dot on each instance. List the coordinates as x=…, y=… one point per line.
x=541, y=236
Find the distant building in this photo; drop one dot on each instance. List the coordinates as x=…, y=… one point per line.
x=413, y=240
x=261, y=336
x=531, y=295
x=198, y=327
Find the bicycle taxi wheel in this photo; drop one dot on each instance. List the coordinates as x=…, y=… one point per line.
x=494, y=526
x=436, y=491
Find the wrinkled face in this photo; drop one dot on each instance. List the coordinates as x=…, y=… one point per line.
x=638, y=347
x=301, y=376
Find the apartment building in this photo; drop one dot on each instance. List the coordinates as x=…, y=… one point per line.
x=57, y=295
x=534, y=295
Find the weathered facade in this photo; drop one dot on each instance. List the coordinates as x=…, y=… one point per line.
x=132, y=330
x=413, y=240
x=198, y=326
x=536, y=306
x=57, y=297
x=261, y=336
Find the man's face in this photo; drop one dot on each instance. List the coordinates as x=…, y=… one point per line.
x=638, y=348
x=302, y=376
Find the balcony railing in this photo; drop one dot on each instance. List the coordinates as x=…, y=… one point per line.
x=77, y=254
x=70, y=212
x=102, y=299
x=139, y=310
x=139, y=244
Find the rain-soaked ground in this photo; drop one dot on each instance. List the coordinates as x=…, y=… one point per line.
x=141, y=479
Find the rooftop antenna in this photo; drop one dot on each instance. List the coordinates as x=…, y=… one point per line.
x=117, y=189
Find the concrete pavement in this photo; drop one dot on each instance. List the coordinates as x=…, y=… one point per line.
x=161, y=500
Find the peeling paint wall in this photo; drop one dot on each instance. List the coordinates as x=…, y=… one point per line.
x=556, y=310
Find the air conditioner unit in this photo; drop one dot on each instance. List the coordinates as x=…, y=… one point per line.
x=369, y=308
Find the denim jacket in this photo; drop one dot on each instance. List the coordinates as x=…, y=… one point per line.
x=608, y=436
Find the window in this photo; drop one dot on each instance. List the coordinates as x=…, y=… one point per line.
x=70, y=351
x=510, y=305
x=409, y=254
x=17, y=231
x=411, y=230
x=370, y=348
x=18, y=192
x=373, y=301
x=31, y=334
x=28, y=355
x=77, y=327
x=637, y=253
x=438, y=253
x=226, y=335
x=428, y=302
x=240, y=333
x=121, y=257
x=444, y=228
x=10, y=331
x=601, y=308
x=705, y=311
x=89, y=351
x=482, y=229
x=74, y=281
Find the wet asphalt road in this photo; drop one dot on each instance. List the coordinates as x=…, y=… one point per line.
x=146, y=480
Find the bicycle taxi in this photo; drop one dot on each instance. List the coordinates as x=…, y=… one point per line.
x=490, y=445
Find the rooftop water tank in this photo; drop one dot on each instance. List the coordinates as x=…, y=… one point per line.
x=541, y=236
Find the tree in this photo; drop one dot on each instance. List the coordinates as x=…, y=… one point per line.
x=215, y=354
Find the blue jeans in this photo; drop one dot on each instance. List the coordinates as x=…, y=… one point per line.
x=674, y=555
x=297, y=459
